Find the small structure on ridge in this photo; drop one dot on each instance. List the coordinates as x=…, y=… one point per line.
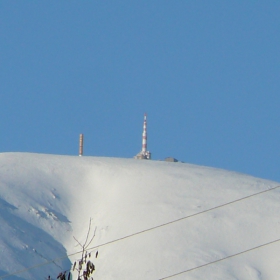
x=171, y=159
x=81, y=145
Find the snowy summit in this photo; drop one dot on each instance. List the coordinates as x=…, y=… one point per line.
x=154, y=220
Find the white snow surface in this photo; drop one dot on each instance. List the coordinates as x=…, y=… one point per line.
x=45, y=200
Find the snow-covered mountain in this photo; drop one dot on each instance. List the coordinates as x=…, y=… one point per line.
x=45, y=200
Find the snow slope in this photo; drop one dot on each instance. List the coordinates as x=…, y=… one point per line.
x=45, y=200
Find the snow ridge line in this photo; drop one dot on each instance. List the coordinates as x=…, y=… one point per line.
x=153, y=228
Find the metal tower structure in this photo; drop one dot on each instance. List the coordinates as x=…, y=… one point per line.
x=144, y=154
x=81, y=145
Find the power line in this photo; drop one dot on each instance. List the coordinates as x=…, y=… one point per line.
x=219, y=260
x=140, y=232
x=184, y=218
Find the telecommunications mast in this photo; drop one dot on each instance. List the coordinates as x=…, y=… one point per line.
x=144, y=154
x=81, y=145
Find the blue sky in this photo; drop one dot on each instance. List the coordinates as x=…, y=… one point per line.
x=206, y=73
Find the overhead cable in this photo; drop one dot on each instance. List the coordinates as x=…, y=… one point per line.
x=219, y=260
x=140, y=232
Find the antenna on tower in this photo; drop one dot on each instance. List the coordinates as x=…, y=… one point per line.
x=144, y=154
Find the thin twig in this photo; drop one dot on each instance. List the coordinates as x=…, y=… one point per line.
x=89, y=226
x=78, y=242
x=91, y=238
